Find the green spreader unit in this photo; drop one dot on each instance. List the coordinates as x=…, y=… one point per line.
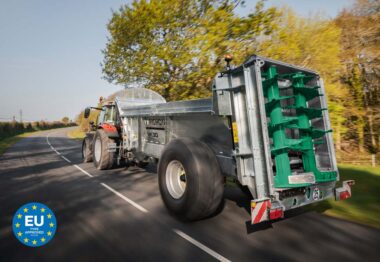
x=292, y=112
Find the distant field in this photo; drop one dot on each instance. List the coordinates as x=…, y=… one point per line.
x=11, y=132
x=364, y=205
x=10, y=129
x=76, y=133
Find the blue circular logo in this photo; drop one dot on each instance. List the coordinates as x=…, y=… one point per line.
x=34, y=224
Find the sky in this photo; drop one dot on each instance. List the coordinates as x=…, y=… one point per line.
x=50, y=53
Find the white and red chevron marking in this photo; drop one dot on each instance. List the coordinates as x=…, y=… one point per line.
x=259, y=211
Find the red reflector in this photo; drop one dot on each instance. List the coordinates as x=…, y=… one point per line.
x=276, y=213
x=344, y=195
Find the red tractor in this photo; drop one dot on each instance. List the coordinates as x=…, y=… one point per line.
x=99, y=145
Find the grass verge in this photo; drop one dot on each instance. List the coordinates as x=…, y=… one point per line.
x=5, y=143
x=76, y=134
x=364, y=205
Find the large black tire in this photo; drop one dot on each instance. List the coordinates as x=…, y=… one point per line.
x=86, y=150
x=204, y=188
x=106, y=159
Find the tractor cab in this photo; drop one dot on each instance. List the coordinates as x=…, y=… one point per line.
x=108, y=114
x=108, y=119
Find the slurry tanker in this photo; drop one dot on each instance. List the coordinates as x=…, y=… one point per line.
x=266, y=126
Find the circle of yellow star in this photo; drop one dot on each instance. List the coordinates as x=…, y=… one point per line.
x=31, y=209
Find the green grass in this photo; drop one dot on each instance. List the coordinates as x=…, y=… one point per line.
x=76, y=134
x=364, y=205
x=5, y=143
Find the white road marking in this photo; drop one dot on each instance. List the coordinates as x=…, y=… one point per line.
x=67, y=160
x=200, y=245
x=125, y=198
x=83, y=171
x=142, y=209
x=47, y=140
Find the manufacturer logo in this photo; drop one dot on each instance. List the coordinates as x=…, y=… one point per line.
x=34, y=224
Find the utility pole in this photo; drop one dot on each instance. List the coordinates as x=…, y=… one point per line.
x=20, y=115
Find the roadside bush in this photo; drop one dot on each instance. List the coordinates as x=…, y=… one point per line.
x=8, y=129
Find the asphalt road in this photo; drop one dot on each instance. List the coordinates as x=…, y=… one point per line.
x=118, y=215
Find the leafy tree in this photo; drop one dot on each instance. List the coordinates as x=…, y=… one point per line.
x=310, y=42
x=360, y=44
x=65, y=120
x=176, y=47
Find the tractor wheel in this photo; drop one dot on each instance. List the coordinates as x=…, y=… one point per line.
x=191, y=184
x=86, y=150
x=103, y=159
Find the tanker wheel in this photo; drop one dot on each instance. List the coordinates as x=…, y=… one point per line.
x=103, y=159
x=190, y=181
x=86, y=150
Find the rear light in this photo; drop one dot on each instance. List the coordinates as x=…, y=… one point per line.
x=344, y=192
x=276, y=213
x=263, y=210
x=344, y=195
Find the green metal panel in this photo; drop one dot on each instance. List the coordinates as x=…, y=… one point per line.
x=278, y=123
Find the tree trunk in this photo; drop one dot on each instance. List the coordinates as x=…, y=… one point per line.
x=338, y=141
x=361, y=138
x=373, y=139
